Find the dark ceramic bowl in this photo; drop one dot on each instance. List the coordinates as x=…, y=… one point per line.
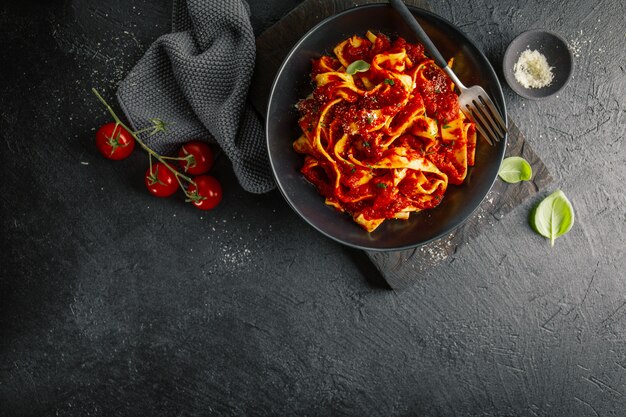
x=292, y=83
x=558, y=55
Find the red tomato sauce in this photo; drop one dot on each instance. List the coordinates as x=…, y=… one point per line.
x=358, y=113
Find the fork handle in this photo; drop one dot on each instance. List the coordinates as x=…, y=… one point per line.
x=410, y=20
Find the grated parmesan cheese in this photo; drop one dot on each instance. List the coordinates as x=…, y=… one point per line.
x=532, y=70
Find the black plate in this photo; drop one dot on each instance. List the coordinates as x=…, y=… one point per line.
x=292, y=83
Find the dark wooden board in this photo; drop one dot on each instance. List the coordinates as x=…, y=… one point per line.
x=399, y=268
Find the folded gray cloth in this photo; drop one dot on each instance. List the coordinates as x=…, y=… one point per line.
x=197, y=79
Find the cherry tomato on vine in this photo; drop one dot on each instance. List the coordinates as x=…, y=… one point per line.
x=160, y=181
x=198, y=157
x=206, y=193
x=114, y=142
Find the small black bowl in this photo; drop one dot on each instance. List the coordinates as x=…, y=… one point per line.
x=292, y=83
x=557, y=53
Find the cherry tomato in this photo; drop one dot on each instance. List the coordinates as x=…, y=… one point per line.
x=160, y=181
x=206, y=194
x=114, y=143
x=198, y=157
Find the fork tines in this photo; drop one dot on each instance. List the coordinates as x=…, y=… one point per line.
x=487, y=119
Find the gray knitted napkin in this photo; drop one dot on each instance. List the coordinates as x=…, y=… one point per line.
x=197, y=79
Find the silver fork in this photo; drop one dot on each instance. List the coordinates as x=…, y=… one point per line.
x=474, y=101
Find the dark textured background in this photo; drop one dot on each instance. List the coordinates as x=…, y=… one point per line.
x=114, y=303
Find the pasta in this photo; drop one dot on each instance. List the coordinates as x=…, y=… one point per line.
x=382, y=134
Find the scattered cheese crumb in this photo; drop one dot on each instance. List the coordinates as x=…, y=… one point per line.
x=532, y=70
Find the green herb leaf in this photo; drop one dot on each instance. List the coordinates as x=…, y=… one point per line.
x=515, y=169
x=381, y=185
x=446, y=126
x=389, y=81
x=366, y=144
x=357, y=66
x=553, y=216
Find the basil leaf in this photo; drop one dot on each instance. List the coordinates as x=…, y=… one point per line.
x=515, y=169
x=357, y=66
x=553, y=216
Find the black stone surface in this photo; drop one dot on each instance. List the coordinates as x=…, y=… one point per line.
x=114, y=303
